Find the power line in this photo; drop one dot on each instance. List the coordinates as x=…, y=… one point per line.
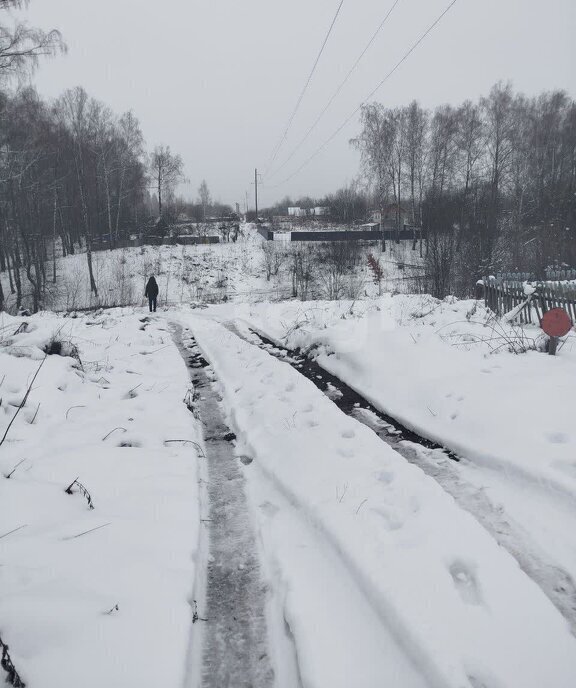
x=337, y=91
x=378, y=87
x=302, y=93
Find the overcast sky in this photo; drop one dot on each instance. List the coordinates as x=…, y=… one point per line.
x=216, y=80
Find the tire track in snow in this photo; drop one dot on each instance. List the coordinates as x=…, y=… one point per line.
x=234, y=635
x=313, y=575
x=327, y=613
x=442, y=466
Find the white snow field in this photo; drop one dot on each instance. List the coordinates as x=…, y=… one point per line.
x=64, y=567
x=375, y=574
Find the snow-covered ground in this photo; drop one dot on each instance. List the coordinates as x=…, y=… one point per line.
x=94, y=597
x=205, y=274
x=376, y=574
x=446, y=370
x=451, y=607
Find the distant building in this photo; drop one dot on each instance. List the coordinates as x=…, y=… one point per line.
x=320, y=211
x=387, y=216
x=297, y=212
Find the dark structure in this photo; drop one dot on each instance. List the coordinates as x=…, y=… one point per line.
x=408, y=233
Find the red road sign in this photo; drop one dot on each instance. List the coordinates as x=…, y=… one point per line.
x=556, y=322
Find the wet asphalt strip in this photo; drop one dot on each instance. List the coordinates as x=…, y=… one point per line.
x=443, y=466
x=234, y=634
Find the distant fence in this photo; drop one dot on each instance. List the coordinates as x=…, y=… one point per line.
x=183, y=240
x=338, y=235
x=406, y=234
x=504, y=296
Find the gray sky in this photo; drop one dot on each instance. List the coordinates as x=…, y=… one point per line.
x=217, y=79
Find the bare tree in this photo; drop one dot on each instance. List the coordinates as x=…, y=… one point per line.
x=204, y=197
x=79, y=113
x=130, y=171
x=21, y=46
x=416, y=124
x=376, y=143
x=498, y=113
x=166, y=170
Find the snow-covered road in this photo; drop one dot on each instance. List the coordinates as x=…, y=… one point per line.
x=231, y=627
x=458, y=607
x=317, y=554
x=458, y=476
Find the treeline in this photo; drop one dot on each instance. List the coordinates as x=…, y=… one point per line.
x=493, y=182
x=71, y=173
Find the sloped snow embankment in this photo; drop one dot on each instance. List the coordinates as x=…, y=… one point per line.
x=62, y=573
x=458, y=605
x=443, y=369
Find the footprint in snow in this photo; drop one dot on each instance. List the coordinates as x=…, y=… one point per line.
x=346, y=453
x=391, y=520
x=348, y=434
x=465, y=582
x=385, y=477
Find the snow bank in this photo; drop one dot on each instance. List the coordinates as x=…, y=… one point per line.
x=444, y=370
x=457, y=603
x=93, y=597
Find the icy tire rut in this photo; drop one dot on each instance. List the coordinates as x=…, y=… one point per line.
x=235, y=648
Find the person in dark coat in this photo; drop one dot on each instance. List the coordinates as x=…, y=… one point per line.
x=152, y=293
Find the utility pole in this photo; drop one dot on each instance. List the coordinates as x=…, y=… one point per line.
x=256, y=192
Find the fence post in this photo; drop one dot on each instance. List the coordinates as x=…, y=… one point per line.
x=481, y=291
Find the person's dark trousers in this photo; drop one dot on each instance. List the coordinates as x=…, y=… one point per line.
x=152, y=303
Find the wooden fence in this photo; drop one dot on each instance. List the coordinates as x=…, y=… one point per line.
x=504, y=296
